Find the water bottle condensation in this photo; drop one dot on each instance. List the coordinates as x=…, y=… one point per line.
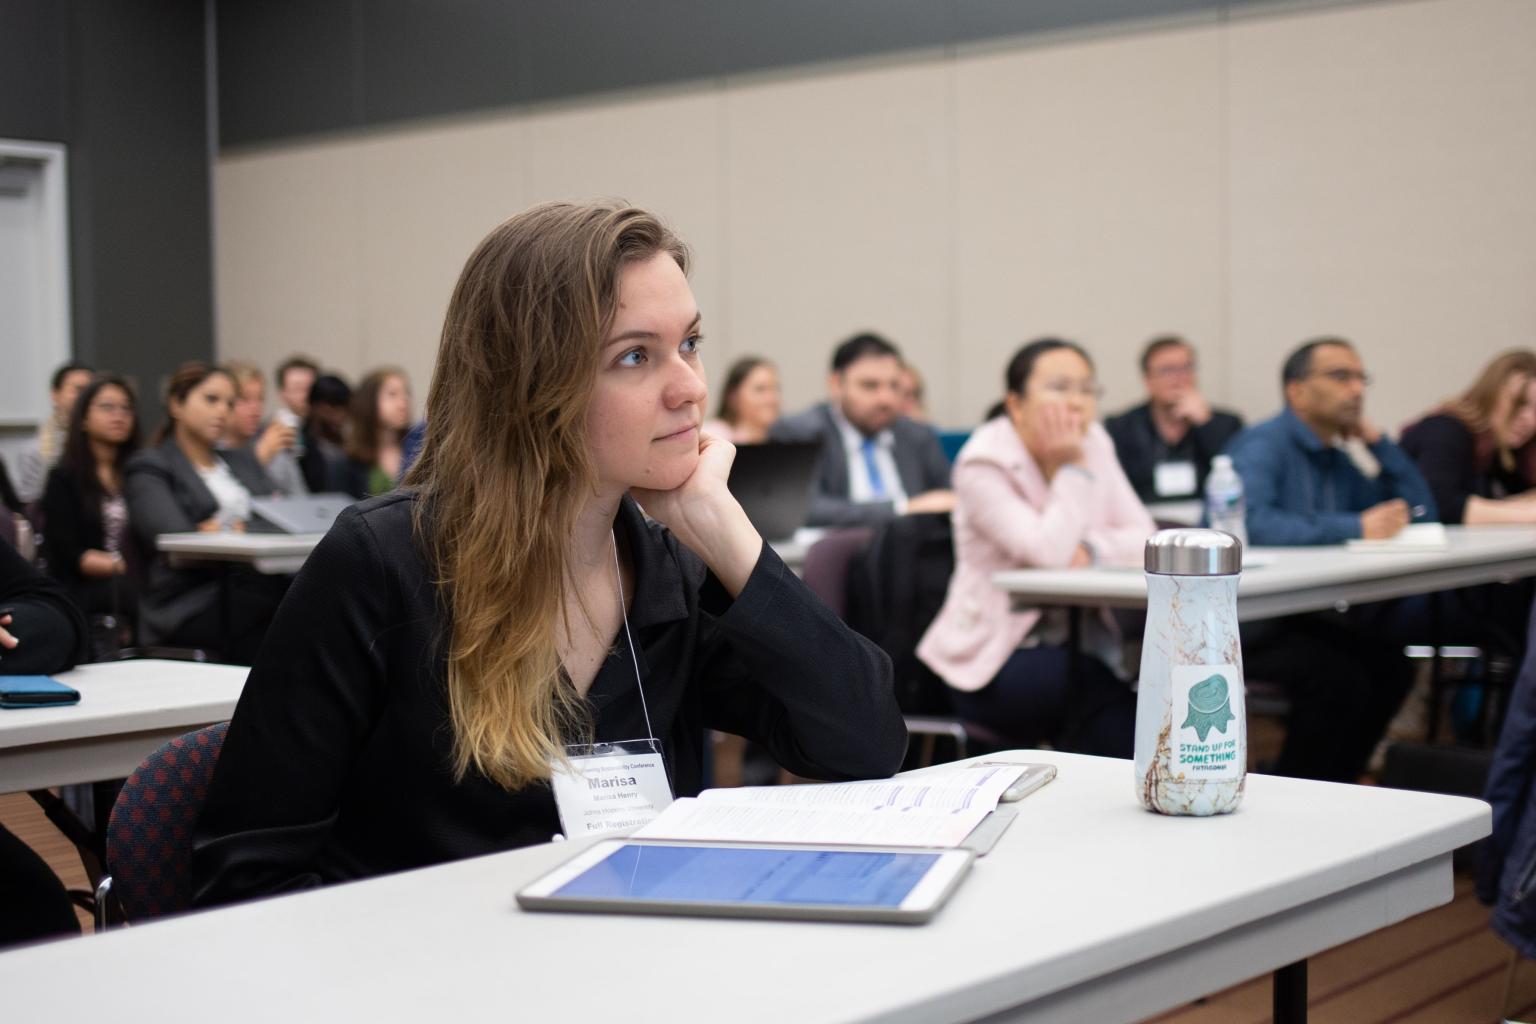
x=1225, y=507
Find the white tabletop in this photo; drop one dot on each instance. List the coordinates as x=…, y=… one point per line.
x=283, y=553
x=1089, y=908
x=1304, y=579
x=271, y=553
x=126, y=710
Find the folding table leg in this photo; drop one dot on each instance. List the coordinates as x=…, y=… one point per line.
x=1291, y=993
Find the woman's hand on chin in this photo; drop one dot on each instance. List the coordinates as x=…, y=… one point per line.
x=706, y=517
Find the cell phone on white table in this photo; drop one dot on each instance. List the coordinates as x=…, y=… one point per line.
x=1035, y=776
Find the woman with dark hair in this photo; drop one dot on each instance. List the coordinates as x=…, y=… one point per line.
x=184, y=483
x=749, y=402
x=1038, y=486
x=453, y=644
x=1476, y=451
x=88, y=540
x=380, y=417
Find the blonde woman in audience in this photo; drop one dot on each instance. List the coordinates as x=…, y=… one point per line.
x=1476, y=451
x=448, y=643
x=273, y=443
x=1038, y=486
x=184, y=482
x=749, y=402
x=380, y=416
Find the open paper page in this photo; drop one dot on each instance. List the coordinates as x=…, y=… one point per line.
x=933, y=810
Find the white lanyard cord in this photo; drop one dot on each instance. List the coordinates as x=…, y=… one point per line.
x=618, y=580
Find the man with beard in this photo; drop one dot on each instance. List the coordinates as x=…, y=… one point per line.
x=1306, y=481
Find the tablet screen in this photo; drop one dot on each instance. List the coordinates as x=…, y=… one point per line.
x=760, y=876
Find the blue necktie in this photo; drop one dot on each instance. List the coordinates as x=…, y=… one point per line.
x=876, y=481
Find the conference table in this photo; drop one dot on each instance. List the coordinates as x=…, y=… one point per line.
x=127, y=709
x=274, y=554
x=1287, y=581
x=277, y=554
x=1088, y=908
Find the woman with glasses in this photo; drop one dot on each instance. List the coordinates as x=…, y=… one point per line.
x=87, y=538
x=1038, y=486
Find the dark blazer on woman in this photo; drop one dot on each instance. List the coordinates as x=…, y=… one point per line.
x=1448, y=455
x=338, y=764
x=73, y=527
x=165, y=495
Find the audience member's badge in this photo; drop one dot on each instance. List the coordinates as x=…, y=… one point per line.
x=1173, y=479
x=610, y=787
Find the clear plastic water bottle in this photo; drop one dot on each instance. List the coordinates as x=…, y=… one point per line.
x=1225, y=508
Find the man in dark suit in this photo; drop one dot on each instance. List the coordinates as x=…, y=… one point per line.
x=874, y=464
x=1166, y=444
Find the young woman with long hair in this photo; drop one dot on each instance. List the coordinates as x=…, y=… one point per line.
x=1476, y=451
x=750, y=402
x=88, y=540
x=379, y=418
x=184, y=482
x=447, y=642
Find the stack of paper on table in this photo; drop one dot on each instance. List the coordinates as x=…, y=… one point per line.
x=935, y=809
x=1413, y=537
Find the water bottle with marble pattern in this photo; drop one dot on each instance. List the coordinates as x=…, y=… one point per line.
x=1191, y=730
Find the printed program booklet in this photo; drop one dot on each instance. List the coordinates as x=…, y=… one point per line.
x=933, y=810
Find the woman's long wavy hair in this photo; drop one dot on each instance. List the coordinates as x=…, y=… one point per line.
x=1475, y=406
x=363, y=415
x=504, y=470
x=78, y=460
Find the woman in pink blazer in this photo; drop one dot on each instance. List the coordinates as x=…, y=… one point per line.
x=1038, y=486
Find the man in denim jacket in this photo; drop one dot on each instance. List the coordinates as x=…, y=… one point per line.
x=1345, y=671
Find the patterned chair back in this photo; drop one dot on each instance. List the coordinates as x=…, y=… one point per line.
x=149, y=836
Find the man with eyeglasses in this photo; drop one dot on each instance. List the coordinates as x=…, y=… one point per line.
x=1302, y=483
x=1344, y=670
x=1165, y=445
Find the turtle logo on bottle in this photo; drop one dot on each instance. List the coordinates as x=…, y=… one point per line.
x=1210, y=707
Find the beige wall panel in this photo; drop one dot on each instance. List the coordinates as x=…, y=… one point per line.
x=660, y=152
x=428, y=196
x=288, y=249
x=1089, y=206
x=1382, y=166
x=838, y=219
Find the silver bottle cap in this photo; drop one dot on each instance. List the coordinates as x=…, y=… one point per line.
x=1191, y=552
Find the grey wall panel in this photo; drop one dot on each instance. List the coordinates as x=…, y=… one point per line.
x=584, y=46
x=139, y=187
x=759, y=36
x=287, y=67
x=422, y=58
x=983, y=19
x=34, y=70
x=290, y=68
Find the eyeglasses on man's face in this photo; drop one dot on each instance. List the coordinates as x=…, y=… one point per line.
x=1346, y=376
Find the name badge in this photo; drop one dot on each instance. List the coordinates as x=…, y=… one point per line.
x=610, y=787
x=1173, y=479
